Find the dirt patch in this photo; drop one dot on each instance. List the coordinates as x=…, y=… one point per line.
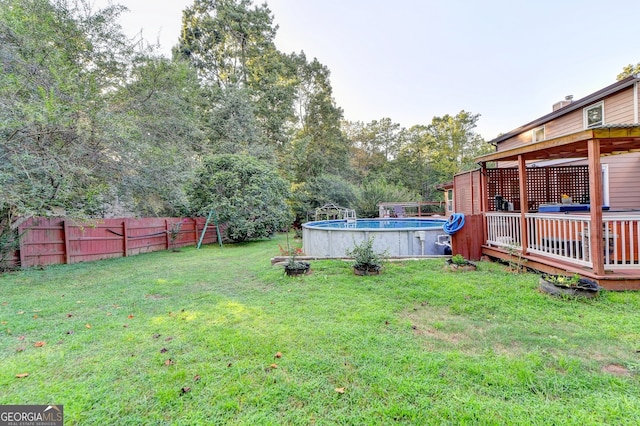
x=438, y=327
x=154, y=296
x=616, y=370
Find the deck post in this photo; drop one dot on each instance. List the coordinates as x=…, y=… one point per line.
x=524, y=203
x=595, y=196
x=484, y=204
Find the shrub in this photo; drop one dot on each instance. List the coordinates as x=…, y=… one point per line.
x=373, y=193
x=365, y=257
x=246, y=193
x=320, y=191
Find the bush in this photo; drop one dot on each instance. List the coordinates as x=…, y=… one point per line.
x=319, y=191
x=373, y=193
x=246, y=193
x=365, y=257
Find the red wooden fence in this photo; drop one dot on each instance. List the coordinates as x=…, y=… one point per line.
x=49, y=241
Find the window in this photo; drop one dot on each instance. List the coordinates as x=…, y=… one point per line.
x=538, y=134
x=594, y=115
x=450, y=200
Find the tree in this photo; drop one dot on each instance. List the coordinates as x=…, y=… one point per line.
x=230, y=43
x=413, y=166
x=246, y=193
x=373, y=145
x=232, y=127
x=319, y=191
x=319, y=146
x=433, y=154
x=159, y=120
x=628, y=71
x=375, y=192
x=57, y=62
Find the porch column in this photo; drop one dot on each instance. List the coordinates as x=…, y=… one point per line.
x=484, y=201
x=595, y=195
x=524, y=203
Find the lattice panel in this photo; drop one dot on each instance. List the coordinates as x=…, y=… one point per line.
x=544, y=185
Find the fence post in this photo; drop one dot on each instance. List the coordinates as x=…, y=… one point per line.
x=125, y=237
x=195, y=230
x=67, y=245
x=166, y=225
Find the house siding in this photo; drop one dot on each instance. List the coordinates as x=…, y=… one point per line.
x=624, y=169
x=624, y=173
x=570, y=123
x=618, y=109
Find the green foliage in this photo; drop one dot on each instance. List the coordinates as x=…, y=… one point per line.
x=159, y=135
x=9, y=243
x=564, y=280
x=230, y=44
x=318, y=191
x=246, y=193
x=318, y=146
x=379, y=191
x=458, y=259
x=232, y=125
x=89, y=125
x=373, y=146
x=365, y=257
x=628, y=71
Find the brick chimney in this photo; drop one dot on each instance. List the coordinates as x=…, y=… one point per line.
x=567, y=100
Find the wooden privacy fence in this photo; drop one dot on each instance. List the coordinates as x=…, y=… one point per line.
x=50, y=241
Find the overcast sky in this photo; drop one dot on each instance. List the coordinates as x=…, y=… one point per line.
x=411, y=60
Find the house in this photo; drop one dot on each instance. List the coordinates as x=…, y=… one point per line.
x=549, y=181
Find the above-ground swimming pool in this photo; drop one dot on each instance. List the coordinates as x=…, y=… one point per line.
x=398, y=237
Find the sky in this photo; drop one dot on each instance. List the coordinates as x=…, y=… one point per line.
x=412, y=60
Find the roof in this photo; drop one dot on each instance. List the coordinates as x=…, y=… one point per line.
x=614, y=139
x=580, y=103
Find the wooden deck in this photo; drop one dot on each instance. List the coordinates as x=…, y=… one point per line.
x=620, y=280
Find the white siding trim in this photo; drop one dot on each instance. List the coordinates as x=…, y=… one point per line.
x=605, y=184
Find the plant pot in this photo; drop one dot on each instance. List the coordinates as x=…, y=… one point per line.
x=367, y=270
x=585, y=288
x=301, y=268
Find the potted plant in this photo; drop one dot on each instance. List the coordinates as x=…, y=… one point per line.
x=457, y=262
x=573, y=286
x=293, y=266
x=296, y=267
x=366, y=260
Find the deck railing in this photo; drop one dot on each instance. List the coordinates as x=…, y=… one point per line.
x=503, y=230
x=621, y=234
x=566, y=237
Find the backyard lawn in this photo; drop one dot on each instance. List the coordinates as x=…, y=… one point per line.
x=219, y=336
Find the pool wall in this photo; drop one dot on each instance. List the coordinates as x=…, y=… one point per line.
x=409, y=242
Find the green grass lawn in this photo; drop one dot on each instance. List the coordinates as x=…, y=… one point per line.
x=219, y=336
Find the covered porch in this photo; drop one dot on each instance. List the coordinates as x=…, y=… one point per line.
x=534, y=226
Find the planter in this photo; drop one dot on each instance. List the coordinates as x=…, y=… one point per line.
x=584, y=288
x=367, y=270
x=456, y=267
x=300, y=268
